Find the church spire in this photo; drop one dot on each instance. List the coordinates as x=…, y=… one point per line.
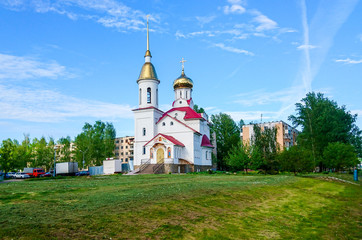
x=148, y=53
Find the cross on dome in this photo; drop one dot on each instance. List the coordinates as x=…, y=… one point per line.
x=183, y=65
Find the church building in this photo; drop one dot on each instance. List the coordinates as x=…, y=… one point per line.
x=177, y=140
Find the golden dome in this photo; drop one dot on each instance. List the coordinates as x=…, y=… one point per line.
x=148, y=72
x=183, y=82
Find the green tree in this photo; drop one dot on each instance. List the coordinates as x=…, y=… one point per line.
x=239, y=158
x=43, y=153
x=198, y=110
x=339, y=156
x=227, y=135
x=97, y=141
x=323, y=122
x=7, y=155
x=265, y=148
x=296, y=160
x=65, y=151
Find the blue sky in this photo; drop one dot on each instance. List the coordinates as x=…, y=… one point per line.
x=67, y=62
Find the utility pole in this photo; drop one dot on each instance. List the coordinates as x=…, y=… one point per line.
x=83, y=156
x=55, y=152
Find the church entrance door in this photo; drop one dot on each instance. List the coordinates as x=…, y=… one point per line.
x=160, y=155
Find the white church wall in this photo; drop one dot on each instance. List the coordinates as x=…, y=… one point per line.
x=144, y=85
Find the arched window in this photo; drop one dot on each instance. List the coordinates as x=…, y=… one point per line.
x=169, y=152
x=171, y=123
x=151, y=153
x=140, y=96
x=186, y=94
x=156, y=96
x=163, y=124
x=144, y=132
x=148, y=95
x=144, y=150
x=180, y=94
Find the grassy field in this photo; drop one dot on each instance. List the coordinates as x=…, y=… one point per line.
x=181, y=207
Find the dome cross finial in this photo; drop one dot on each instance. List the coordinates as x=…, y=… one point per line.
x=183, y=64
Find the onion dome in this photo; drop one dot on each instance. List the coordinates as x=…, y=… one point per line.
x=148, y=72
x=183, y=82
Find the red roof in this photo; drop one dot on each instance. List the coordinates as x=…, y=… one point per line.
x=164, y=115
x=171, y=139
x=205, y=142
x=190, y=113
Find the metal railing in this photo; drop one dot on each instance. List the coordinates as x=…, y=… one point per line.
x=159, y=168
x=144, y=164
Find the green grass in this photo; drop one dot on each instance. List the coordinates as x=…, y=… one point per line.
x=180, y=207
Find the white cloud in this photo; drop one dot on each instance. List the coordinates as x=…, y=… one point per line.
x=349, y=61
x=41, y=105
x=16, y=67
x=306, y=46
x=234, y=9
x=264, y=23
x=205, y=20
x=109, y=13
x=232, y=49
x=253, y=115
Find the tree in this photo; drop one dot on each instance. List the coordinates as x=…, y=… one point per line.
x=96, y=141
x=65, y=151
x=323, y=122
x=239, y=158
x=265, y=148
x=296, y=160
x=227, y=134
x=43, y=153
x=7, y=159
x=339, y=156
x=198, y=110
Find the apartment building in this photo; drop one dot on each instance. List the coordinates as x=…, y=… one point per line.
x=286, y=134
x=124, y=148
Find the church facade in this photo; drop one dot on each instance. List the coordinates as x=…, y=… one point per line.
x=177, y=140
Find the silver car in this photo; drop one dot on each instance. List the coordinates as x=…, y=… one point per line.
x=21, y=175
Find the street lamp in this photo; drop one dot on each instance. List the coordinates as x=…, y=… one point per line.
x=55, y=152
x=83, y=156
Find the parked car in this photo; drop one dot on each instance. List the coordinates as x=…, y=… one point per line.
x=34, y=172
x=10, y=175
x=21, y=175
x=47, y=174
x=82, y=173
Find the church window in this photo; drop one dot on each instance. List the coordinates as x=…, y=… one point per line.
x=144, y=131
x=186, y=94
x=148, y=95
x=180, y=94
x=144, y=150
x=206, y=155
x=169, y=152
x=163, y=124
x=151, y=153
x=140, y=96
x=171, y=123
x=180, y=102
x=156, y=96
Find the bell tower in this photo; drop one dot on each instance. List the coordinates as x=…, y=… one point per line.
x=147, y=113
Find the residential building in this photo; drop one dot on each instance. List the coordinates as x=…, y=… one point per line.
x=124, y=148
x=286, y=134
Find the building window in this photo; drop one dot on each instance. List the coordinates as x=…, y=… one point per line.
x=117, y=154
x=180, y=94
x=121, y=147
x=126, y=146
x=126, y=153
x=163, y=124
x=122, y=153
x=117, y=148
x=121, y=141
x=144, y=150
x=148, y=95
x=156, y=96
x=206, y=155
x=151, y=153
x=117, y=141
x=144, y=132
x=186, y=94
x=140, y=96
x=171, y=123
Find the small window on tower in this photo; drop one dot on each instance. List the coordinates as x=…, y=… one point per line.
x=163, y=124
x=144, y=150
x=180, y=94
x=140, y=96
x=144, y=132
x=148, y=95
x=171, y=123
x=186, y=94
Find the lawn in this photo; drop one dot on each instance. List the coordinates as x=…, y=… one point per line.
x=192, y=206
